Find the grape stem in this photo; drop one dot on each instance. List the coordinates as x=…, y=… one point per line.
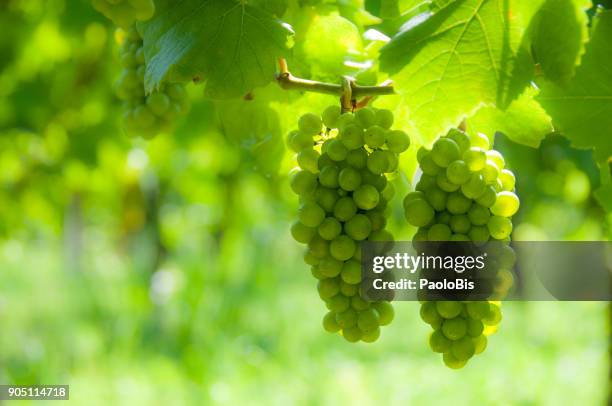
x=348, y=90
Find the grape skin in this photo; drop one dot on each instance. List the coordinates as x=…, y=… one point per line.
x=343, y=189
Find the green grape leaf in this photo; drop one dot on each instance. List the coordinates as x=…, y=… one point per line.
x=583, y=109
x=524, y=121
x=327, y=58
x=231, y=45
x=449, y=63
x=557, y=35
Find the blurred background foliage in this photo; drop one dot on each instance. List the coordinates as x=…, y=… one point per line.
x=157, y=272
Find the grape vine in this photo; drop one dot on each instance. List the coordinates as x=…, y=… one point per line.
x=343, y=193
x=464, y=194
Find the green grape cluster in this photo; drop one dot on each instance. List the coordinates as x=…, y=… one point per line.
x=124, y=12
x=146, y=115
x=465, y=193
x=343, y=192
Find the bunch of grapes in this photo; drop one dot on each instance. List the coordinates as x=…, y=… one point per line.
x=343, y=192
x=464, y=194
x=124, y=12
x=146, y=115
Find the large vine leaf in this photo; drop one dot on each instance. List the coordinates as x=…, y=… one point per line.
x=524, y=121
x=557, y=35
x=231, y=45
x=583, y=109
x=453, y=61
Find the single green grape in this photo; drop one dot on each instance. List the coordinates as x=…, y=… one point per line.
x=359, y=304
x=475, y=327
x=413, y=196
x=490, y=172
x=439, y=232
x=352, y=136
x=330, y=228
x=475, y=158
x=310, y=124
x=449, y=309
x=463, y=349
x=328, y=177
x=368, y=320
x=499, y=227
x=352, y=334
x=330, y=115
x=443, y=217
x=460, y=224
x=475, y=187
x=366, y=117
x=428, y=166
x=302, y=233
x=328, y=288
x=439, y=343
x=351, y=272
x=506, y=204
x=326, y=198
x=311, y=214
x=338, y=303
x=454, y=329
x=479, y=234
x=478, y=310
x=366, y=197
x=397, y=141
x=370, y=336
x=377, y=162
x=436, y=197
x=479, y=215
x=336, y=150
x=457, y=203
x=461, y=138
x=480, y=140
x=304, y=183
x=349, y=179
x=342, y=248
x=384, y=118
x=358, y=227
x=445, y=151
x=347, y=318
x=159, y=103
x=488, y=197
x=458, y=172
x=348, y=289
x=429, y=314
x=444, y=183
x=357, y=158
x=452, y=362
x=330, y=324
x=385, y=312
x=308, y=159
x=508, y=180
x=374, y=137
x=330, y=267
x=497, y=158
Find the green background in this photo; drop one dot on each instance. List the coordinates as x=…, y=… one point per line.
x=157, y=272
